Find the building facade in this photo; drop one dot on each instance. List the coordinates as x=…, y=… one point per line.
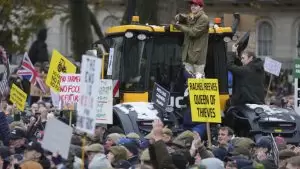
x=274, y=25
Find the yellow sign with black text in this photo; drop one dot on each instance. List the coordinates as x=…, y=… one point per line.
x=205, y=100
x=18, y=97
x=59, y=64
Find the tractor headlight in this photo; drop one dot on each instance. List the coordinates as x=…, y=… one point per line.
x=141, y=37
x=128, y=35
x=227, y=39
x=259, y=110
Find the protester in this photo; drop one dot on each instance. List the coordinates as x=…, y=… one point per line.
x=249, y=79
x=195, y=28
x=96, y=157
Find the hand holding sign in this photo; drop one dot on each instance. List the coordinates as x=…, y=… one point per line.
x=204, y=100
x=272, y=66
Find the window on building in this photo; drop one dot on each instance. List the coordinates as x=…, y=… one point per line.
x=265, y=39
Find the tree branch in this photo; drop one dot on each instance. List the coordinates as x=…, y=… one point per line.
x=96, y=25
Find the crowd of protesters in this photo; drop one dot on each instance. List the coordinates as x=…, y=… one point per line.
x=21, y=134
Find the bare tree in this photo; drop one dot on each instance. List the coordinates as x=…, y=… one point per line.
x=80, y=27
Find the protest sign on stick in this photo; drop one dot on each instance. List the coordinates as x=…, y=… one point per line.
x=89, y=82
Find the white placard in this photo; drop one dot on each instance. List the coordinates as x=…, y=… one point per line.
x=57, y=137
x=105, y=102
x=110, y=61
x=272, y=66
x=89, y=86
x=54, y=98
x=69, y=91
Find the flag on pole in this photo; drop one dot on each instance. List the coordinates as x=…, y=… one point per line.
x=27, y=71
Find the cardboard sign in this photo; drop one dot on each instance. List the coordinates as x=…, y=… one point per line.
x=18, y=97
x=59, y=64
x=160, y=97
x=35, y=91
x=89, y=87
x=69, y=91
x=297, y=68
x=204, y=100
x=105, y=102
x=57, y=137
x=272, y=66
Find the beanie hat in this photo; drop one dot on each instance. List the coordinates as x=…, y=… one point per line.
x=119, y=152
x=264, y=142
x=184, y=139
x=130, y=145
x=133, y=136
x=213, y=163
x=280, y=142
x=115, y=137
x=200, y=129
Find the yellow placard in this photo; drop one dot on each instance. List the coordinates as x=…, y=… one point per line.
x=18, y=97
x=59, y=64
x=204, y=100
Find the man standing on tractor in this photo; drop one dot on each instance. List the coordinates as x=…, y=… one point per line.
x=249, y=79
x=195, y=27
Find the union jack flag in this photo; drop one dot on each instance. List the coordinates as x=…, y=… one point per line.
x=27, y=71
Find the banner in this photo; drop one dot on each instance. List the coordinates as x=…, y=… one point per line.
x=69, y=91
x=18, y=97
x=204, y=100
x=59, y=64
x=105, y=102
x=89, y=87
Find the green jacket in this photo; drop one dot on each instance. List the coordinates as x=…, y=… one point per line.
x=196, y=34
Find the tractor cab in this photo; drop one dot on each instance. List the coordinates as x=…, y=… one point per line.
x=142, y=55
x=148, y=54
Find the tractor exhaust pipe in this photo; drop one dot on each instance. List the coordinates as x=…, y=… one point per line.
x=236, y=22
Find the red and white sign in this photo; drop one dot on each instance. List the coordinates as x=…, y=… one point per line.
x=69, y=91
x=116, y=88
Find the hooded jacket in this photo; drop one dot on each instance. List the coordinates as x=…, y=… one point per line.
x=249, y=82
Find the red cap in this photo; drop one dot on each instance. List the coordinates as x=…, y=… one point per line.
x=197, y=2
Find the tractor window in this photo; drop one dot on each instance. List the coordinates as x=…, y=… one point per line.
x=134, y=63
x=166, y=60
x=117, y=44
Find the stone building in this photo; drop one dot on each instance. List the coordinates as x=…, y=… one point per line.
x=274, y=24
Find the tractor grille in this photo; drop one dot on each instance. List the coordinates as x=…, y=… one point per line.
x=277, y=127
